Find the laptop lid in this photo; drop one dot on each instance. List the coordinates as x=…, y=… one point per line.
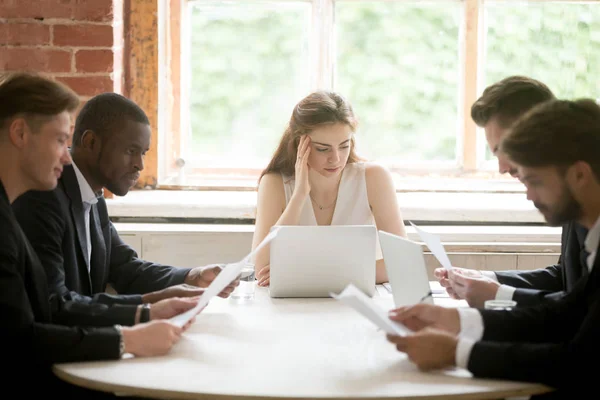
x=405, y=266
x=313, y=261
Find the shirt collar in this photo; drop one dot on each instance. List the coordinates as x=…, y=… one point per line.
x=592, y=240
x=87, y=194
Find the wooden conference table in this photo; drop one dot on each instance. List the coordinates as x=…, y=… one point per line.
x=285, y=349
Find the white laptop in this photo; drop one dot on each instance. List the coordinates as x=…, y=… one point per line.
x=313, y=261
x=406, y=269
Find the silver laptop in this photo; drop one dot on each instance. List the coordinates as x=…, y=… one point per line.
x=405, y=266
x=313, y=261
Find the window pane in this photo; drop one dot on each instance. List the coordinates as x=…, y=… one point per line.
x=398, y=63
x=249, y=66
x=556, y=43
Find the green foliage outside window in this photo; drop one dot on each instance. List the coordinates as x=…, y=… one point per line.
x=398, y=63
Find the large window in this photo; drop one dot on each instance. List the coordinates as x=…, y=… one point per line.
x=231, y=72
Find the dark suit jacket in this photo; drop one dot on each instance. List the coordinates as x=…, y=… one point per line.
x=554, y=281
x=31, y=342
x=54, y=223
x=556, y=343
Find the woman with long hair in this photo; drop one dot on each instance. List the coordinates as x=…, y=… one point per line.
x=316, y=178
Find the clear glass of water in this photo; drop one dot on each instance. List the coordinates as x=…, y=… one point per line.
x=245, y=290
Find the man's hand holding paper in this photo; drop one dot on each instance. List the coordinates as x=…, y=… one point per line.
x=227, y=275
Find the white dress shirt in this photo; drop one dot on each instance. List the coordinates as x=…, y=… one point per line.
x=505, y=292
x=471, y=322
x=89, y=199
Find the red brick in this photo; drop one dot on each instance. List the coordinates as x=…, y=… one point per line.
x=94, y=61
x=38, y=9
x=24, y=34
x=93, y=10
x=42, y=60
x=88, y=85
x=83, y=35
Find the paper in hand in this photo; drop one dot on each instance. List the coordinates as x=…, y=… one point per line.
x=362, y=303
x=435, y=246
x=225, y=277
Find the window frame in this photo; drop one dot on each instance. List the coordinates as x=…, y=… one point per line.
x=155, y=45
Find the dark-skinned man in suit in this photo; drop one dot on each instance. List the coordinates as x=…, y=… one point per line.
x=71, y=231
x=35, y=127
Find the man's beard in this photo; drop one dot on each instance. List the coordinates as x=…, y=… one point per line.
x=566, y=209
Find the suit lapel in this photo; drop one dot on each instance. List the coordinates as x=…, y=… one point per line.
x=581, y=233
x=72, y=190
x=98, y=261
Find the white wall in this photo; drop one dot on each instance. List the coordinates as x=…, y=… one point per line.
x=491, y=248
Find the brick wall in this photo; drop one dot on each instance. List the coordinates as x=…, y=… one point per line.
x=79, y=42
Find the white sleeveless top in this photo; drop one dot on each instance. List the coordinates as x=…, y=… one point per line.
x=352, y=204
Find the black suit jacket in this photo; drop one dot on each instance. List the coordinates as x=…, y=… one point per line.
x=556, y=343
x=31, y=342
x=54, y=223
x=554, y=281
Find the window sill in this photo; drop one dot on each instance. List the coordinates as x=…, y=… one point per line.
x=459, y=208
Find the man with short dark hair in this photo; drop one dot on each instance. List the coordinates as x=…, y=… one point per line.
x=556, y=149
x=500, y=105
x=35, y=127
x=71, y=231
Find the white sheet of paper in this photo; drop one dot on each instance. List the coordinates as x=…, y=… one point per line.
x=435, y=246
x=225, y=277
x=355, y=298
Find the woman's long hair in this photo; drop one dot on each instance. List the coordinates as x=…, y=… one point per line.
x=315, y=110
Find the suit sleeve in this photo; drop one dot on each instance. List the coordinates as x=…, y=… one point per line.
x=533, y=287
x=566, y=357
x=129, y=274
x=43, y=343
x=41, y=218
x=548, y=321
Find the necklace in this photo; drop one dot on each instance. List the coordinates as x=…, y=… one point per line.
x=320, y=206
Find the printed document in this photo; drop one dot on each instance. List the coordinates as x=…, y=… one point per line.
x=435, y=246
x=355, y=298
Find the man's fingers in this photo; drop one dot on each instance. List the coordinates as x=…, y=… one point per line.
x=452, y=293
x=459, y=290
x=401, y=342
x=397, y=340
x=403, y=313
x=444, y=282
x=440, y=273
x=458, y=279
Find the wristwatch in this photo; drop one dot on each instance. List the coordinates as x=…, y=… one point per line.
x=121, y=341
x=145, y=313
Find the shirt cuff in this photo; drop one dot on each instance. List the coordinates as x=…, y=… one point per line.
x=471, y=324
x=505, y=292
x=490, y=275
x=463, y=352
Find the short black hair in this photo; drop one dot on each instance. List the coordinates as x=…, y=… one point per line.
x=106, y=112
